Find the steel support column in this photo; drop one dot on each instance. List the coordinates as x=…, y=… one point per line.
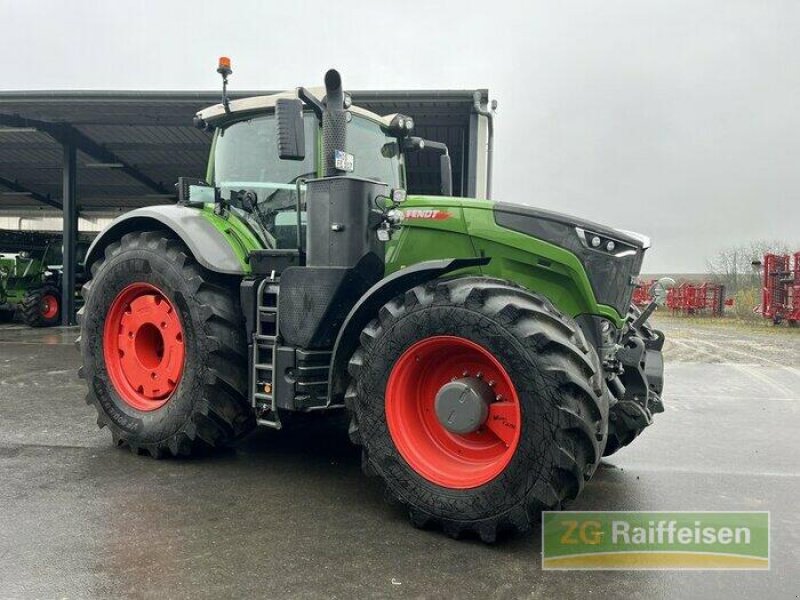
x=472, y=158
x=70, y=213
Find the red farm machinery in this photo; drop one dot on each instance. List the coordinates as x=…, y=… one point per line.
x=697, y=299
x=641, y=293
x=780, y=294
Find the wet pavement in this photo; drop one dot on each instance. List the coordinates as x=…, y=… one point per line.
x=289, y=514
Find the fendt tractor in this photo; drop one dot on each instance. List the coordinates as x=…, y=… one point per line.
x=486, y=352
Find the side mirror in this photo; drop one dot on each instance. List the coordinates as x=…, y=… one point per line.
x=659, y=289
x=291, y=133
x=416, y=144
x=446, y=171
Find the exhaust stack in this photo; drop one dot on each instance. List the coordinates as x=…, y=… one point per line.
x=334, y=124
x=341, y=227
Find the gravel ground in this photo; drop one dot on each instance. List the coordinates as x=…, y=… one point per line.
x=706, y=340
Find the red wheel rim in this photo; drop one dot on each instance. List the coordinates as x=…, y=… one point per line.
x=49, y=306
x=143, y=346
x=458, y=461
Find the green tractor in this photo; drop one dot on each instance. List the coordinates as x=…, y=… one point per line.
x=31, y=276
x=8, y=265
x=485, y=352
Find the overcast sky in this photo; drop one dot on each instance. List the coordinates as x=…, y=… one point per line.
x=678, y=119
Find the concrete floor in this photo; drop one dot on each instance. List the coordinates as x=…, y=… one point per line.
x=292, y=516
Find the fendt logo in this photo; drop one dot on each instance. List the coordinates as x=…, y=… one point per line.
x=427, y=213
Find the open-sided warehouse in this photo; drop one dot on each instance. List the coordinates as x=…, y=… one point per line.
x=95, y=155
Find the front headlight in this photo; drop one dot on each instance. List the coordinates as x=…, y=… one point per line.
x=604, y=243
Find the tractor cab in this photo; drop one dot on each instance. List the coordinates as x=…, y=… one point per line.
x=265, y=148
x=245, y=162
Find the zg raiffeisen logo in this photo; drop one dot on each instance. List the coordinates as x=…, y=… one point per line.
x=655, y=540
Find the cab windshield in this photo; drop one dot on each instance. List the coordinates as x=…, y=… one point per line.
x=375, y=154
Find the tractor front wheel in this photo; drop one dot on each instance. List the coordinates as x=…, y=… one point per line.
x=164, y=349
x=41, y=306
x=478, y=403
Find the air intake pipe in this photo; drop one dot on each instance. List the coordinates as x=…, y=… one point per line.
x=334, y=123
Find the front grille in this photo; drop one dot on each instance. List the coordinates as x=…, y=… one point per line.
x=611, y=274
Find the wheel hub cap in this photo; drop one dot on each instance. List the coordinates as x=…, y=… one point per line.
x=463, y=405
x=453, y=412
x=143, y=347
x=49, y=306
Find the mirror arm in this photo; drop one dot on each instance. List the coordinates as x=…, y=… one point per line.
x=644, y=315
x=312, y=101
x=437, y=146
x=665, y=283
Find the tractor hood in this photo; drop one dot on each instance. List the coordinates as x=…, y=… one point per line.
x=506, y=211
x=611, y=257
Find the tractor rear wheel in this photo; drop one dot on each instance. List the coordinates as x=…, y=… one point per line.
x=164, y=349
x=478, y=403
x=41, y=306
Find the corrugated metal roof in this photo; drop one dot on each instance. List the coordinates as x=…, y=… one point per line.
x=152, y=133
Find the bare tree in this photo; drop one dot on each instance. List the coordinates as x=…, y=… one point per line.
x=733, y=266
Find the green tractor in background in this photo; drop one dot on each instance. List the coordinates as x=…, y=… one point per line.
x=8, y=265
x=486, y=352
x=31, y=275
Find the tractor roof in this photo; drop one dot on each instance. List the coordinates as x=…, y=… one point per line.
x=257, y=104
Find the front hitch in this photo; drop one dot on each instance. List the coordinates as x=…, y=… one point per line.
x=639, y=385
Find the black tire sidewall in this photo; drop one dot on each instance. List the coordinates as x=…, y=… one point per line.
x=138, y=265
x=32, y=306
x=532, y=460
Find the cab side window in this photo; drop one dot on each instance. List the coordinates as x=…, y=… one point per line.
x=246, y=158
